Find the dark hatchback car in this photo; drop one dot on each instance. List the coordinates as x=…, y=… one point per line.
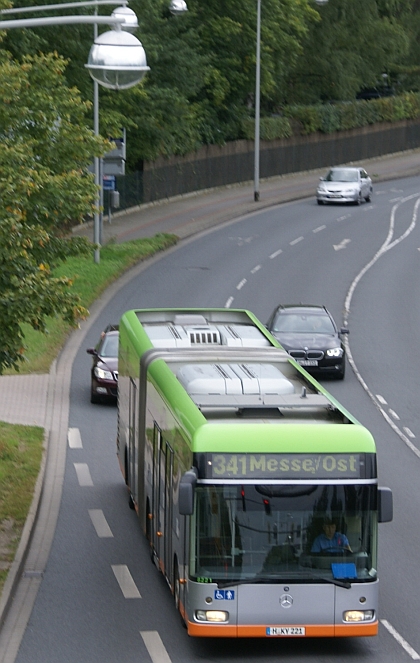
x=310, y=335
x=104, y=371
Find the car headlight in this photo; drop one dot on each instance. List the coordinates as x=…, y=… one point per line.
x=219, y=616
x=101, y=374
x=335, y=352
x=358, y=615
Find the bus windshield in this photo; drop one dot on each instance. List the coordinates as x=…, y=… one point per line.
x=299, y=533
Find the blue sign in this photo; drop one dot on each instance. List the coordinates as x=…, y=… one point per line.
x=224, y=594
x=109, y=182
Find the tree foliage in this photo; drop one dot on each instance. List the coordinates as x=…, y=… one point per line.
x=45, y=149
x=201, y=86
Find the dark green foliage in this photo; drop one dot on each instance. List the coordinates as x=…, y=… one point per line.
x=201, y=86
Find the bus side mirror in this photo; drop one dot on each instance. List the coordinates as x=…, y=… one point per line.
x=186, y=492
x=385, y=505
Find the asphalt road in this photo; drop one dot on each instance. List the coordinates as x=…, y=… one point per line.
x=99, y=598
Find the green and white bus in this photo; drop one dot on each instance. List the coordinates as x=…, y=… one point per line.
x=256, y=489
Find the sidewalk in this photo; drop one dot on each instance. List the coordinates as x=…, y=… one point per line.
x=192, y=213
x=23, y=397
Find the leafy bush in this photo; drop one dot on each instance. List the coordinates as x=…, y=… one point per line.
x=271, y=128
x=328, y=118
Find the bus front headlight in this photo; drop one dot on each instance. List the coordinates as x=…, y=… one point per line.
x=358, y=615
x=219, y=616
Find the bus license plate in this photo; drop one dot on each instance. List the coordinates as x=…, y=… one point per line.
x=285, y=630
x=307, y=362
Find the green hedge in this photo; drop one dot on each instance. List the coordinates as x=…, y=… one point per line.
x=328, y=118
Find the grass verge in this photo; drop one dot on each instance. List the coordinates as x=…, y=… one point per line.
x=20, y=457
x=21, y=446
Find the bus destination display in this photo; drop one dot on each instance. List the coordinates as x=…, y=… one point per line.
x=286, y=466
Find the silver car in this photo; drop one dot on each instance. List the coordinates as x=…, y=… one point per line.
x=344, y=185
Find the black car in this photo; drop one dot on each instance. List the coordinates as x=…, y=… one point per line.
x=310, y=335
x=104, y=372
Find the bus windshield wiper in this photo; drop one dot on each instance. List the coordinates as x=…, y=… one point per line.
x=277, y=579
x=248, y=581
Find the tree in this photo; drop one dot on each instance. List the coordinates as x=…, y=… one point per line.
x=45, y=149
x=355, y=42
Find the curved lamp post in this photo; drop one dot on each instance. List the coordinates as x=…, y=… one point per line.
x=257, y=103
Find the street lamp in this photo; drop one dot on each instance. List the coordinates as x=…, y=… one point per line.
x=257, y=102
x=117, y=59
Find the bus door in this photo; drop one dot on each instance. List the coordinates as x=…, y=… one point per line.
x=163, y=507
x=132, y=452
x=167, y=539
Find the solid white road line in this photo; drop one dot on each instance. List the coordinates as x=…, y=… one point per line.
x=404, y=644
x=74, y=439
x=83, y=474
x=125, y=581
x=100, y=524
x=155, y=647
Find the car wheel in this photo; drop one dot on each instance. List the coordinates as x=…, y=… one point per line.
x=368, y=197
x=359, y=199
x=320, y=202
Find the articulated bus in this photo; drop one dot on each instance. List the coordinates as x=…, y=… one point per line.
x=256, y=489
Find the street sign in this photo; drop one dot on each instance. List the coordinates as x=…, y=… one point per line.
x=109, y=182
x=113, y=166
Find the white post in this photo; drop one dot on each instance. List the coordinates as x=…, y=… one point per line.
x=98, y=183
x=96, y=220
x=257, y=109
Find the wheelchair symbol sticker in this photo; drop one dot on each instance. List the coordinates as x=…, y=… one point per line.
x=224, y=595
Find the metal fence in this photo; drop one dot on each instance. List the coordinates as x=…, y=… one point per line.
x=214, y=166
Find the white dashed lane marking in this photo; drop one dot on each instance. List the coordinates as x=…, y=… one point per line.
x=155, y=647
x=408, y=432
x=83, y=474
x=126, y=582
x=74, y=439
x=296, y=241
x=100, y=523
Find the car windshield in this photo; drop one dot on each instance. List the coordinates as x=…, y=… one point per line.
x=109, y=346
x=303, y=324
x=342, y=175
x=259, y=533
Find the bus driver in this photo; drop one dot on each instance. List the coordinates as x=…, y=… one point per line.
x=330, y=541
